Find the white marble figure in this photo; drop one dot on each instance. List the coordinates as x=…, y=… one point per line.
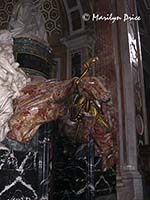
x=27, y=21
x=12, y=80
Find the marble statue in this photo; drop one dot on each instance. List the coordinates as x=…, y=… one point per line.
x=12, y=80
x=27, y=21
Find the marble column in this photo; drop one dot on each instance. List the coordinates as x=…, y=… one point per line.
x=131, y=101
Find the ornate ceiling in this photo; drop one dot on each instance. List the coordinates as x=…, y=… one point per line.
x=5, y=12
x=51, y=13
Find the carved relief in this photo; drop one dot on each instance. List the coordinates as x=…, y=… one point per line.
x=49, y=9
x=12, y=80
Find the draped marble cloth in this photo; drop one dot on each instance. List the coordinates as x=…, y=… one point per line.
x=47, y=101
x=25, y=106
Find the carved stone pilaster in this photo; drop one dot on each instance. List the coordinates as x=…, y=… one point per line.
x=132, y=120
